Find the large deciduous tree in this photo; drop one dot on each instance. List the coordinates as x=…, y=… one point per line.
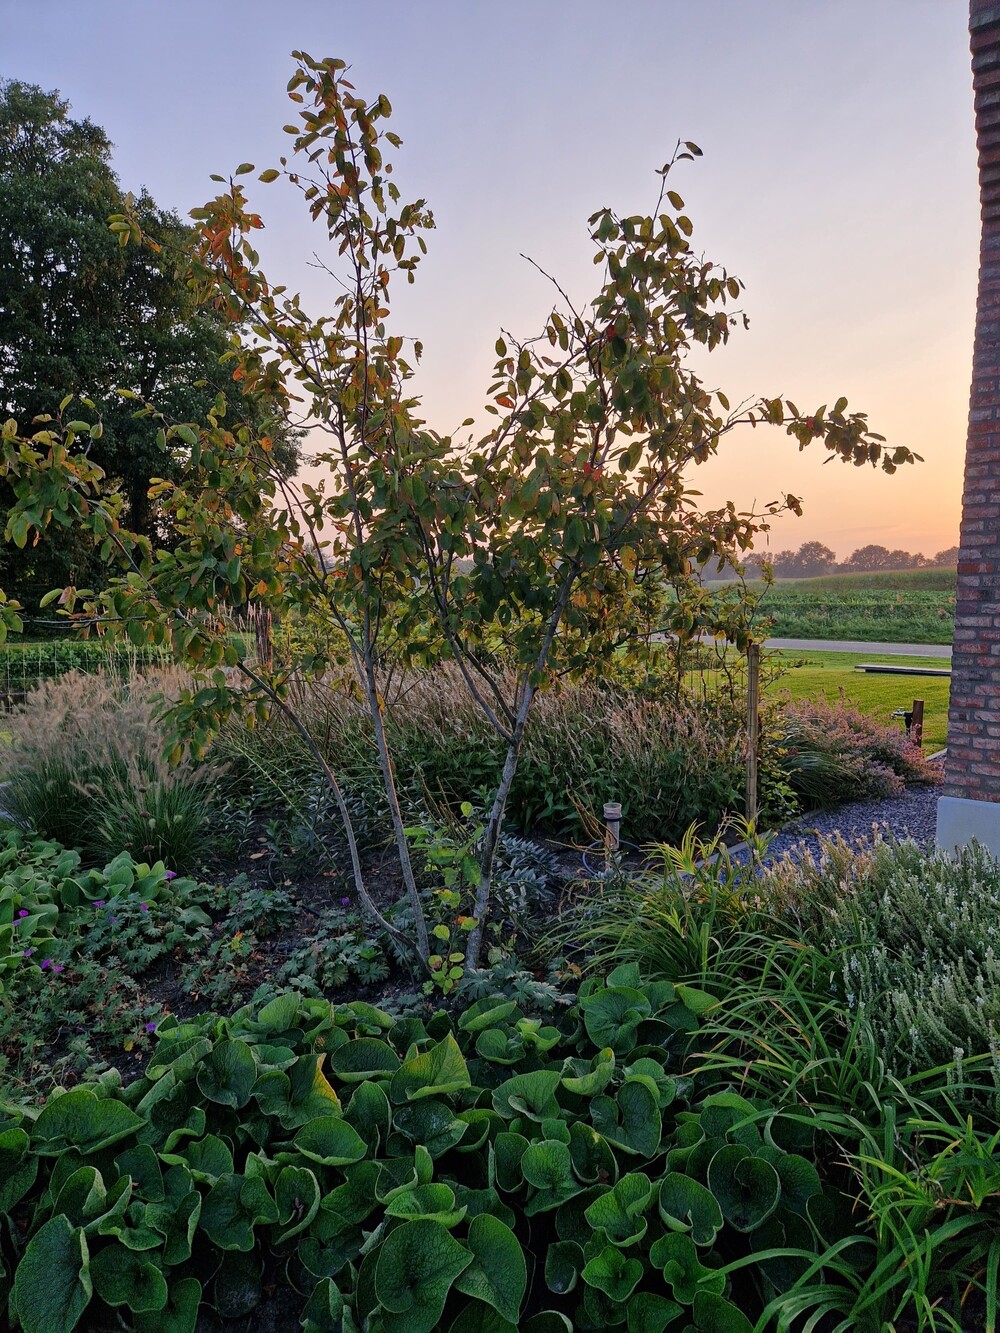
x=80, y=314
x=523, y=556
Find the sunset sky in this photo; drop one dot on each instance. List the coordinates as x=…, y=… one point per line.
x=839, y=182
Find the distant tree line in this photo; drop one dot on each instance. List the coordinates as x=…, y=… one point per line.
x=813, y=559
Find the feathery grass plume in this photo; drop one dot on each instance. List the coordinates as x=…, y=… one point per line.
x=85, y=765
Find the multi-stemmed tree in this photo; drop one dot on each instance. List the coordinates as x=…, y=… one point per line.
x=524, y=557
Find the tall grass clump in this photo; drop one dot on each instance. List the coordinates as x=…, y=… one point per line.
x=85, y=766
x=668, y=762
x=831, y=753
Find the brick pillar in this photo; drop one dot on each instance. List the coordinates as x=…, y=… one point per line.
x=971, y=804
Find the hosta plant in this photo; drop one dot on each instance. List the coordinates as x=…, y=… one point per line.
x=494, y=1173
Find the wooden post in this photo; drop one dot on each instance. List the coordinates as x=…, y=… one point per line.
x=753, y=727
x=612, y=835
x=917, y=722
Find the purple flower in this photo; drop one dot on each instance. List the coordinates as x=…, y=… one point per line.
x=26, y=953
x=170, y=874
x=144, y=907
x=47, y=963
x=112, y=919
x=23, y=912
x=150, y=1027
x=58, y=967
x=345, y=902
x=99, y=902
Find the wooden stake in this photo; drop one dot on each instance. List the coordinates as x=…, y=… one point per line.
x=753, y=727
x=917, y=722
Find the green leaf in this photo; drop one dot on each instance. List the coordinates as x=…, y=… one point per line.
x=176, y=1218
x=324, y=1311
x=713, y=1314
x=237, y=1287
x=228, y=1074
x=531, y=1095
x=52, y=1285
x=676, y=1255
x=614, y=1274
x=546, y=1165
x=619, y=1211
x=498, y=1273
x=747, y=1188
x=233, y=1207
x=631, y=1120
x=181, y=1312
x=648, y=1312
x=432, y=1124
x=296, y=1193
x=417, y=1264
x=563, y=1266
x=434, y=1072
x=612, y=1017
x=122, y=1277
x=586, y=1081
x=330, y=1141
x=80, y=1119
x=18, y=1168
x=433, y=1202
x=279, y=1014
x=686, y=1205
x=271, y=174
x=364, y=1058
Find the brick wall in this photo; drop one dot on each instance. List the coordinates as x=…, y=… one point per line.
x=973, y=766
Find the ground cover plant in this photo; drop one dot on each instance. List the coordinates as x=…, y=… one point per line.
x=494, y=1172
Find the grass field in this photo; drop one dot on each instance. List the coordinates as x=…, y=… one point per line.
x=832, y=675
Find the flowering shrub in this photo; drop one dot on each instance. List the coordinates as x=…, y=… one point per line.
x=914, y=941
x=833, y=753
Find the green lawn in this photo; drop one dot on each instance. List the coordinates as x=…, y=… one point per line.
x=829, y=674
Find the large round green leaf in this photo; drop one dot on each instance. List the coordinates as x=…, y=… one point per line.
x=330, y=1141
x=364, y=1058
x=80, y=1119
x=498, y=1273
x=686, y=1205
x=531, y=1095
x=683, y=1272
x=417, y=1264
x=619, y=1211
x=649, y=1312
x=713, y=1314
x=228, y=1073
x=181, y=1312
x=122, y=1277
x=435, y=1072
x=18, y=1168
x=747, y=1188
x=612, y=1017
x=52, y=1285
x=614, y=1274
x=296, y=1192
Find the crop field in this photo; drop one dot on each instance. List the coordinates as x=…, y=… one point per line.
x=832, y=676
x=916, y=606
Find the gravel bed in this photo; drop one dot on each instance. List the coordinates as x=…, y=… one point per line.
x=911, y=815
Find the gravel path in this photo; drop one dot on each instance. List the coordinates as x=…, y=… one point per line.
x=912, y=815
